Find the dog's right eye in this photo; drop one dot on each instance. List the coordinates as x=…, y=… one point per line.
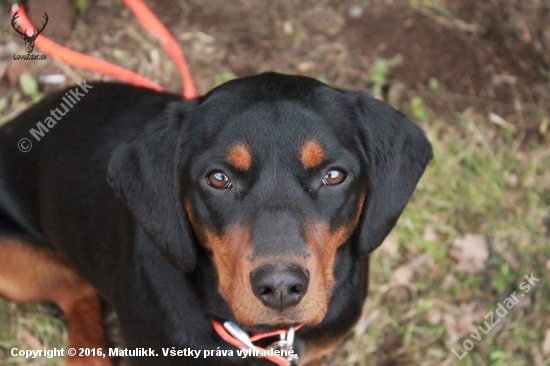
x=219, y=180
x=334, y=177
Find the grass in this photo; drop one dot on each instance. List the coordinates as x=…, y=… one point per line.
x=31, y=326
x=483, y=182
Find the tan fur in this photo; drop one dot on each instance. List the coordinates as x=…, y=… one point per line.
x=31, y=274
x=240, y=157
x=311, y=154
x=233, y=259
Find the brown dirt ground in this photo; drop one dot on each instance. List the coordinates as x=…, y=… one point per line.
x=489, y=56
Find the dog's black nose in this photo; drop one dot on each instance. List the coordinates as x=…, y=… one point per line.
x=279, y=286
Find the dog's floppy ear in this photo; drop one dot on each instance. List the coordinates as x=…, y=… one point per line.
x=143, y=172
x=397, y=152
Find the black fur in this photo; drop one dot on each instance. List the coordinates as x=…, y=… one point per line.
x=137, y=247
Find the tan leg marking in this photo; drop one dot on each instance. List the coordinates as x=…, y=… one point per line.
x=32, y=274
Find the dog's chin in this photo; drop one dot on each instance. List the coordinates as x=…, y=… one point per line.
x=266, y=317
x=264, y=323
x=275, y=323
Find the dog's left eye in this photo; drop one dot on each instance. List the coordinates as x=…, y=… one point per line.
x=334, y=177
x=219, y=180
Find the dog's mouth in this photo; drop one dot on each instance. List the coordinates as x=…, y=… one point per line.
x=257, y=319
x=311, y=312
x=274, y=324
x=270, y=291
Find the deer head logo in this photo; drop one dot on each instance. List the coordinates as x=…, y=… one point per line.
x=29, y=40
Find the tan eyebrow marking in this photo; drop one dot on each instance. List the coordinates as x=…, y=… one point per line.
x=311, y=154
x=240, y=157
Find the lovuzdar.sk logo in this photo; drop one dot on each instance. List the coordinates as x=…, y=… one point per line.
x=29, y=40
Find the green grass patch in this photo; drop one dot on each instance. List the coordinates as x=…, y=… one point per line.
x=484, y=183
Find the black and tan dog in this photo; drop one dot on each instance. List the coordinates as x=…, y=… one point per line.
x=257, y=203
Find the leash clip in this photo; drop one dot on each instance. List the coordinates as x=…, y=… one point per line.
x=285, y=344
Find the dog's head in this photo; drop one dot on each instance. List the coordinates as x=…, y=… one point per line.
x=271, y=174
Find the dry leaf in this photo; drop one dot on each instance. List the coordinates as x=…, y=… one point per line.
x=536, y=357
x=3, y=68
x=468, y=318
x=507, y=255
x=429, y=234
x=462, y=321
x=365, y=322
x=14, y=70
x=434, y=315
x=32, y=341
x=449, y=281
x=404, y=273
x=499, y=121
x=389, y=247
x=472, y=254
x=543, y=126
x=546, y=343
x=450, y=325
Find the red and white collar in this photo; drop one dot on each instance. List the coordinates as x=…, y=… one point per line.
x=233, y=334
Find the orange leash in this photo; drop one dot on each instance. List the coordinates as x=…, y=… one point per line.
x=149, y=20
x=154, y=26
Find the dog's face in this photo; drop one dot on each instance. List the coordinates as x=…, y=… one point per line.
x=272, y=189
x=271, y=175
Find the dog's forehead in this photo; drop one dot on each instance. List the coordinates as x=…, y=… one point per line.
x=270, y=122
x=272, y=95
x=283, y=128
x=297, y=119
